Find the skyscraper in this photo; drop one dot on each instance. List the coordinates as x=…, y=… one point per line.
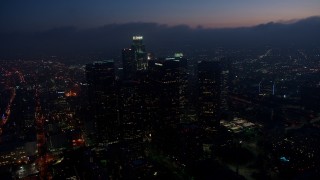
x=100, y=74
x=140, y=55
x=209, y=93
x=129, y=63
x=103, y=101
x=224, y=90
x=170, y=77
x=132, y=120
x=135, y=58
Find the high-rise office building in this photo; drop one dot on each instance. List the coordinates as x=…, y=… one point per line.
x=171, y=77
x=140, y=54
x=224, y=90
x=135, y=58
x=101, y=74
x=129, y=63
x=103, y=101
x=132, y=120
x=209, y=76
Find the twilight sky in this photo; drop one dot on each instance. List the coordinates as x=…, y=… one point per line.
x=35, y=15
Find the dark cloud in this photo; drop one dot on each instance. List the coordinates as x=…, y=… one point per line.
x=110, y=39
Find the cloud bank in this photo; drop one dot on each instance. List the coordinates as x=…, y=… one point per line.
x=111, y=38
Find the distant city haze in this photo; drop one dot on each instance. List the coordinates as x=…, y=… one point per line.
x=34, y=15
x=108, y=40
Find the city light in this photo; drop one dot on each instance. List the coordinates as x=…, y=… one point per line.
x=137, y=38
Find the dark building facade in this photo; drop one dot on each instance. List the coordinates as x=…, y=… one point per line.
x=209, y=75
x=103, y=101
x=171, y=79
x=129, y=63
x=133, y=118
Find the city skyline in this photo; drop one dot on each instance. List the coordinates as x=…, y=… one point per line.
x=42, y=15
x=218, y=114
x=179, y=89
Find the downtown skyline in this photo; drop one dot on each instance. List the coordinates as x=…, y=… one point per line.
x=178, y=89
